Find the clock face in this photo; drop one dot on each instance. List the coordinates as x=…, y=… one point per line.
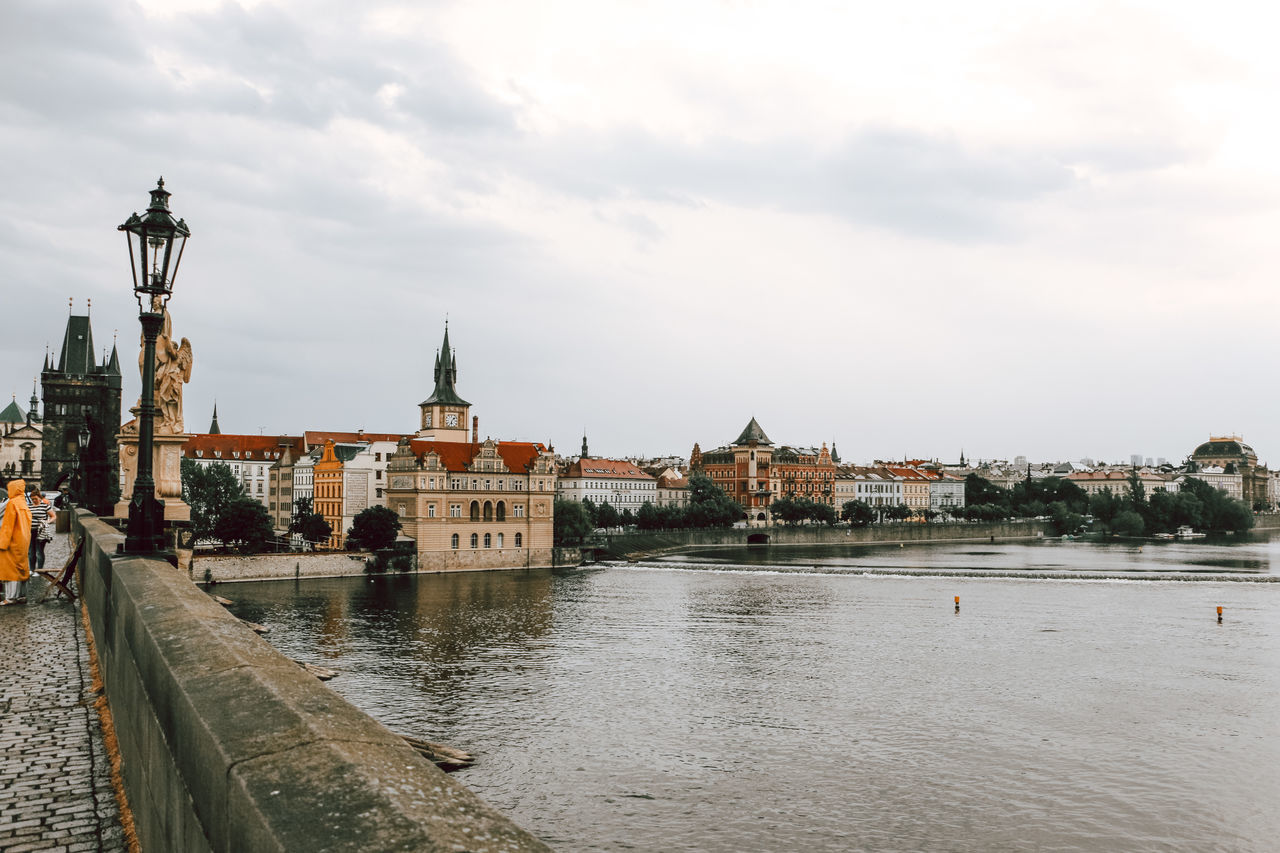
x=426, y=420
x=451, y=420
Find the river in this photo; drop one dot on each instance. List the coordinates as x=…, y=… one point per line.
x=826, y=698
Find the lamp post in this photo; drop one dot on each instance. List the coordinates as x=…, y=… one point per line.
x=152, y=238
x=84, y=437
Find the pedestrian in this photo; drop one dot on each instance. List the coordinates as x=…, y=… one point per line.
x=15, y=540
x=41, y=524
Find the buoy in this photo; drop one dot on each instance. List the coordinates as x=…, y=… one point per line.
x=1219, y=613
x=957, y=604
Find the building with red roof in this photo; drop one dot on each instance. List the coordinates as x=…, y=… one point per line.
x=466, y=503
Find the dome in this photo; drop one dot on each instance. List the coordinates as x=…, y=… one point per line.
x=1223, y=447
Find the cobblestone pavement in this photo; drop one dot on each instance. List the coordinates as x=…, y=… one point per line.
x=55, y=785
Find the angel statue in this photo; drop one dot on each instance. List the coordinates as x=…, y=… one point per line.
x=173, y=368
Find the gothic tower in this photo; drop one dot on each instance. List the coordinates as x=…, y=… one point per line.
x=78, y=392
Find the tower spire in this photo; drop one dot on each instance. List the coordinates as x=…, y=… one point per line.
x=213, y=427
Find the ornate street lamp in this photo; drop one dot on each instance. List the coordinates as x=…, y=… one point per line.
x=80, y=466
x=152, y=239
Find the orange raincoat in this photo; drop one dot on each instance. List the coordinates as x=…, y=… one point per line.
x=15, y=534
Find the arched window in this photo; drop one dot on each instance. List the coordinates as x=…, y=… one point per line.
x=453, y=541
x=488, y=541
x=502, y=514
x=519, y=539
x=475, y=540
x=475, y=510
x=488, y=510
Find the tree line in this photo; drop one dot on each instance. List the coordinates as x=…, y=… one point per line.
x=1069, y=509
x=222, y=512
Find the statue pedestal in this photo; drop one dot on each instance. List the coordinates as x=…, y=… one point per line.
x=166, y=469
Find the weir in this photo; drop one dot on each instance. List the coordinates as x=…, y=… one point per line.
x=227, y=745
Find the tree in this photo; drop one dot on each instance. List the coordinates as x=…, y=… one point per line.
x=898, y=512
x=209, y=491
x=709, y=506
x=1127, y=523
x=1064, y=519
x=980, y=490
x=857, y=513
x=572, y=523
x=607, y=516
x=244, y=525
x=307, y=523
x=373, y=529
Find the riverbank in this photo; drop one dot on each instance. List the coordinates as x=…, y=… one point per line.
x=646, y=545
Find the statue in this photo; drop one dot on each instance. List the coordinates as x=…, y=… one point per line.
x=173, y=369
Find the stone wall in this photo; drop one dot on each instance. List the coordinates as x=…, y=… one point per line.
x=639, y=543
x=227, y=745
x=253, y=567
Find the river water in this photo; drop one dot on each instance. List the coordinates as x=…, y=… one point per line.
x=826, y=698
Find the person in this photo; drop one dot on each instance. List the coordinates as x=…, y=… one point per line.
x=41, y=512
x=15, y=540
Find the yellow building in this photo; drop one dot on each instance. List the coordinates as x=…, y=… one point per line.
x=469, y=504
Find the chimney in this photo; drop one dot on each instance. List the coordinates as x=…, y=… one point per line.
x=360, y=435
x=475, y=429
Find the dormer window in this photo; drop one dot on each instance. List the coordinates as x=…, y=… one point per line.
x=199, y=453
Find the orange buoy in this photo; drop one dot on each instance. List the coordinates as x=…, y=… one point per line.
x=1219, y=612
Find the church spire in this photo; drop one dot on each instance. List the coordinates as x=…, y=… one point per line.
x=213, y=427
x=33, y=413
x=585, y=454
x=446, y=375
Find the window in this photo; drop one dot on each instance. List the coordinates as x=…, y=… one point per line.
x=377, y=457
x=378, y=492
x=499, y=540
x=431, y=510
x=518, y=512
x=475, y=540
x=475, y=510
x=455, y=510
x=519, y=539
x=453, y=541
x=488, y=511
x=377, y=475
x=488, y=541
x=502, y=511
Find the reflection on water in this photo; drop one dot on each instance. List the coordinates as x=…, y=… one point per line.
x=680, y=706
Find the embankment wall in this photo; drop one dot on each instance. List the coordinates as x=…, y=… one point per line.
x=634, y=544
x=226, y=745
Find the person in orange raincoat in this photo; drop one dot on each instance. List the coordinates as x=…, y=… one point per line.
x=15, y=540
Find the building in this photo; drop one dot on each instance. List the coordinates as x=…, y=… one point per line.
x=466, y=503
x=946, y=493
x=875, y=486
x=617, y=482
x=917, y=487
x=673, y=487
x=1234, y=456
x=1227, y=479
x=21, y=440
x=1117, y=481
x=80, y=392
x=250, y=458
x=754, y=473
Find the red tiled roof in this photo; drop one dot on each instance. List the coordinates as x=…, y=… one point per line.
x=518, y=456
x=673, y=482
x=266, y=448
x=315, y=437
x=615, y=468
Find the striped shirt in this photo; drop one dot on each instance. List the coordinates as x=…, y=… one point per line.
x=39, y=512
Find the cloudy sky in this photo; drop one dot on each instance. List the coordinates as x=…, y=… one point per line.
x=1043, y=229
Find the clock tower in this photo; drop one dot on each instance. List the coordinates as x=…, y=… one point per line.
x=445, y=415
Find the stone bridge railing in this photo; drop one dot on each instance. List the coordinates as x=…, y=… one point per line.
x=229, y=746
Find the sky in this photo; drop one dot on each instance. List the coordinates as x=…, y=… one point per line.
x=912, y=229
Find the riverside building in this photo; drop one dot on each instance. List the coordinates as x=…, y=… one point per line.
x=466, y=503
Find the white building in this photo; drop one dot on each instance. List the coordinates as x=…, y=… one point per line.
x=613, y=481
